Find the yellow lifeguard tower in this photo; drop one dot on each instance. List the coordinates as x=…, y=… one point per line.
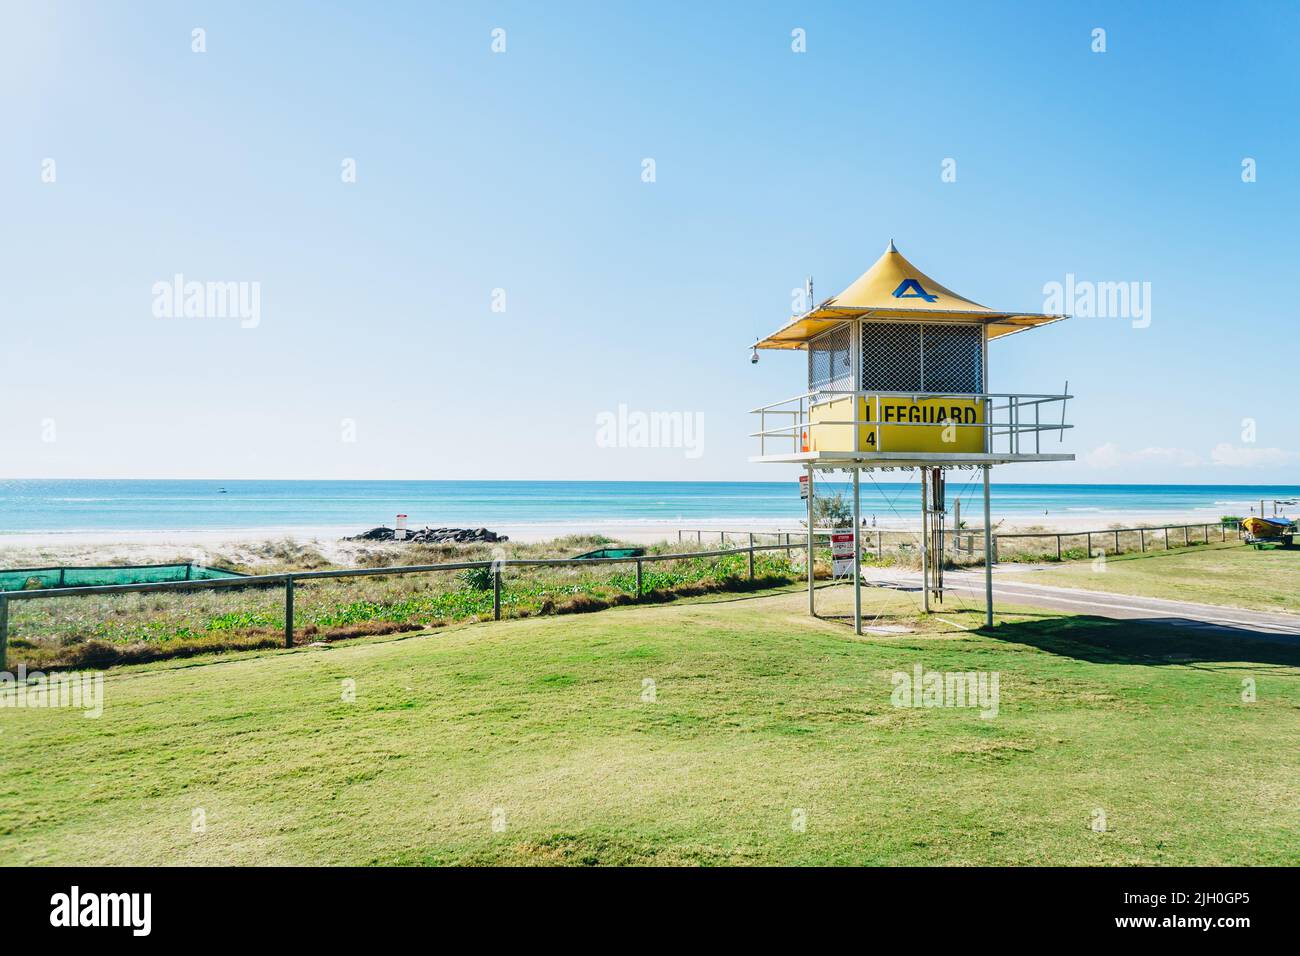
x=897, y=379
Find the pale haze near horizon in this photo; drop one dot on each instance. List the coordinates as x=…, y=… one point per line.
x=377, y=353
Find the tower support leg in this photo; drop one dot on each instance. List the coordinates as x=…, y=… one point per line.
x=812, y=598
x=857, y=552
x=925, y=549
x=988, y=554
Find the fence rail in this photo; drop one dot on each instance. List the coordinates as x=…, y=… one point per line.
x=787, y=540
x=956, y=536
x=1116, y=532
x=289, y=579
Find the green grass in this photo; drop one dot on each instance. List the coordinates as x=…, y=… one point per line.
x=1234, y=575
x=759, y=710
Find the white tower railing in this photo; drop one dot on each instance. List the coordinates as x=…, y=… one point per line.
x=1014, y=423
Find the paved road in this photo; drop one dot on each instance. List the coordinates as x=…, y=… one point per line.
x=969, y=586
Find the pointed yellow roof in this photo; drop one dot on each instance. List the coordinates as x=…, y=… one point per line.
x=894, y=289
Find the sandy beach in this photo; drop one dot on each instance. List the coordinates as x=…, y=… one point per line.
x=200, y=546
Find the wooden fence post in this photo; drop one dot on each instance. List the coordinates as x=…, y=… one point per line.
x=1090, y=544
x=880, y=545
x=496, y=594
x=1058, y=547
x=4, y=634
x=638, y=575
x=1142, y=539
x=288, y=611
x=1117, y=542
x=751, y=556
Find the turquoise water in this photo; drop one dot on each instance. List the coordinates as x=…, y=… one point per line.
x=134, y=505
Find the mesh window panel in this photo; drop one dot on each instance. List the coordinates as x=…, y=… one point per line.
x=830, y=364
x=953, y=358
x=891, y=357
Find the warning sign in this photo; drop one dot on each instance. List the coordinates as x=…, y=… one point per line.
x=803, y=487
x=842, y=553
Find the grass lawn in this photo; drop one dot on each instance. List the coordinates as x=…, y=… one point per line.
x=1234, y=575
x=759, y=711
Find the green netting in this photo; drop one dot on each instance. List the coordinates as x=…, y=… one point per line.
x=610, y=553
x=23, y=579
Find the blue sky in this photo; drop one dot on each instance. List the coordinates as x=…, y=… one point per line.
x=377, y=353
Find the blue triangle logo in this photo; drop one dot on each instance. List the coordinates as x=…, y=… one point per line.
x=911, y=289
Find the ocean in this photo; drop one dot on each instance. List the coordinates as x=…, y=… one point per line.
x=67, y=505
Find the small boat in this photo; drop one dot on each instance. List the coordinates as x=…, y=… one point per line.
x=1266, y=529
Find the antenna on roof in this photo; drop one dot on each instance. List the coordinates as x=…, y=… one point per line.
x=808, y=290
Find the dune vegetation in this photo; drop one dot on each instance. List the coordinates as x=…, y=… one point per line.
x=100, y=630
